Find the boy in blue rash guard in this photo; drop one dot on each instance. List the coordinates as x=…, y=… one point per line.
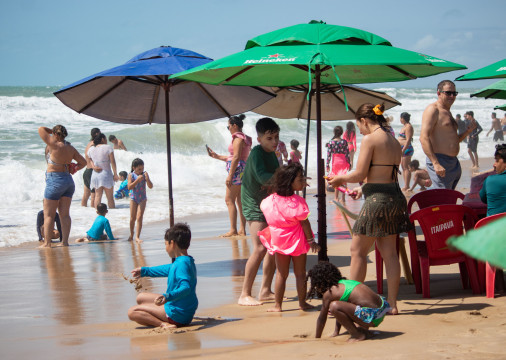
x=100, y=225
x=180, y=300
x=122, y=191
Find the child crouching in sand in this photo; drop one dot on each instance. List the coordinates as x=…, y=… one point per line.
x=421, y=176
x=180, y=300
x=100, y=225
x=350, y=301
x=288, y=236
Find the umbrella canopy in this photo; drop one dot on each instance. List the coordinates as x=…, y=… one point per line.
x=323, y=54
x=485, y=243
x=495, y=91
x=500, y=107
x=140, y=92
x=493, y=71
x=134, y=93
x=292, y=102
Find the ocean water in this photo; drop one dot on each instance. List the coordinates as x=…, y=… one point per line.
x=198, y=180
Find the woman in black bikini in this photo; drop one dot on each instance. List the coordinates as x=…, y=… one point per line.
x=384, y=213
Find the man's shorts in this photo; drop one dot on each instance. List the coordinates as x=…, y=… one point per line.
x=87, y=178
x=452, y=173
x=58, y=185
x=473, y=144
x=498, y=135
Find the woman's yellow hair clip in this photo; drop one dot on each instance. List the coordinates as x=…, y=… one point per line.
x=377, y=110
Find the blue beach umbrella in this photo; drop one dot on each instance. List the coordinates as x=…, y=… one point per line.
x=140, y=92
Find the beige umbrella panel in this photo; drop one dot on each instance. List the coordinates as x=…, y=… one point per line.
x=292, y=102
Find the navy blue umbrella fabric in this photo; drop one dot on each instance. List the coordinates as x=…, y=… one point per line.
x=133, y=93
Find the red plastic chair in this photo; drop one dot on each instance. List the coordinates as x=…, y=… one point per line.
x=486, y=270
x=424, y=199
x=433, y=197
x=438, y=223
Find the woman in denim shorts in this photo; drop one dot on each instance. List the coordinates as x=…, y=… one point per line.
x=59, y=183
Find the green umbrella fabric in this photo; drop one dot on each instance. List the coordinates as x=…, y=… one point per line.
x=486, y=243
x=500, y=107
x=493, y=71
x=353, y=64
x=496, y=90
x=323, y=54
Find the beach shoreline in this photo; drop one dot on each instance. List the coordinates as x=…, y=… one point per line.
x=72, y=302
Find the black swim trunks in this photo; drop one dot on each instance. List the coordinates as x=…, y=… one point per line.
x=87, y=178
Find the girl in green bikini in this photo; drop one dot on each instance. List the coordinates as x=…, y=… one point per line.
x=350, y=301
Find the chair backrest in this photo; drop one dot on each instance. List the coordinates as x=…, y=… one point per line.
x=489, y=219
x=435, y=197
x=440, y=222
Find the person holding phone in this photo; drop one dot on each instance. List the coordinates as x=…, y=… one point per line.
x=238, y=150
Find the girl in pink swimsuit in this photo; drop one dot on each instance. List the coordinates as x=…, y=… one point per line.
x=137, y=181
x=288, y=236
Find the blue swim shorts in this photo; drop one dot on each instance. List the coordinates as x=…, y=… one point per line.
x=409, y=151
x=373, y=316
x=452, y=173
x=58, y=185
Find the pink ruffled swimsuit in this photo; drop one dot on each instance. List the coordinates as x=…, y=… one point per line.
x=284, y=234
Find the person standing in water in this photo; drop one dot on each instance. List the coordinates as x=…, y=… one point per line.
x=239, y=150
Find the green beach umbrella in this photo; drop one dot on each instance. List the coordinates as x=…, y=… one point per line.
x=493, y=71
x=500, y=107
x=496, y=90
x=316, y=54
x=486, y=243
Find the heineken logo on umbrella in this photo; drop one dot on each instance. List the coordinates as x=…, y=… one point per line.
x=274, y=58
x=501, y=68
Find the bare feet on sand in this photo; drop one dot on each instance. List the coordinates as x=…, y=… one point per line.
x=248, y=301
x=138, y=241
x=274, y=309
x=165, y=325
x=306, y=307
x=266, y=296
x=229, y=234
x=393, y=311
x=130, y=238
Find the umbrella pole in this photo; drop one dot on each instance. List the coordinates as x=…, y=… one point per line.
x=322, y=209
x=169, y=161
x=307, y=140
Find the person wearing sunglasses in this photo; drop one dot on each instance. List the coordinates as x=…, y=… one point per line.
x=440, y=138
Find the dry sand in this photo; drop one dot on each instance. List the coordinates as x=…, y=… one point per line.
x=72, y=302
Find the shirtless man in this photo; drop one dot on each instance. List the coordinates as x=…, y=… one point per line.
x=496, y=125
x=118, y=144
x=87, y=173
x=503, y=124
x=440, y=140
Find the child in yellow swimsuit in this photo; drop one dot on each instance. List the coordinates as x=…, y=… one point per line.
x=350, y=301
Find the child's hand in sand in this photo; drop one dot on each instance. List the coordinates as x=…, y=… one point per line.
x=160, y=300
x=136, y=273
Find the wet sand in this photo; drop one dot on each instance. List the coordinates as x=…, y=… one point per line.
x=72, y=303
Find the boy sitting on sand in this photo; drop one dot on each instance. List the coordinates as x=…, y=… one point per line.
x=350, y=301
x=421, y=176
x=180, y=300
x=99, y=225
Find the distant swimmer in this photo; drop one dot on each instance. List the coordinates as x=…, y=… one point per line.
x=118, y=144
x=496, y=126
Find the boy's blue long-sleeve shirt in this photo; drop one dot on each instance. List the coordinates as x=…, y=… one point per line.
x=181, y=296
x=97, y=229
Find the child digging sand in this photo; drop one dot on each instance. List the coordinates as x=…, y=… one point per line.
x=420, y=176
x=288, y=236
x=100, y=225
x=350, y=301
x=180, y=300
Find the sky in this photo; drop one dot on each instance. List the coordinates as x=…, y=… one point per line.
x=57, y=42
